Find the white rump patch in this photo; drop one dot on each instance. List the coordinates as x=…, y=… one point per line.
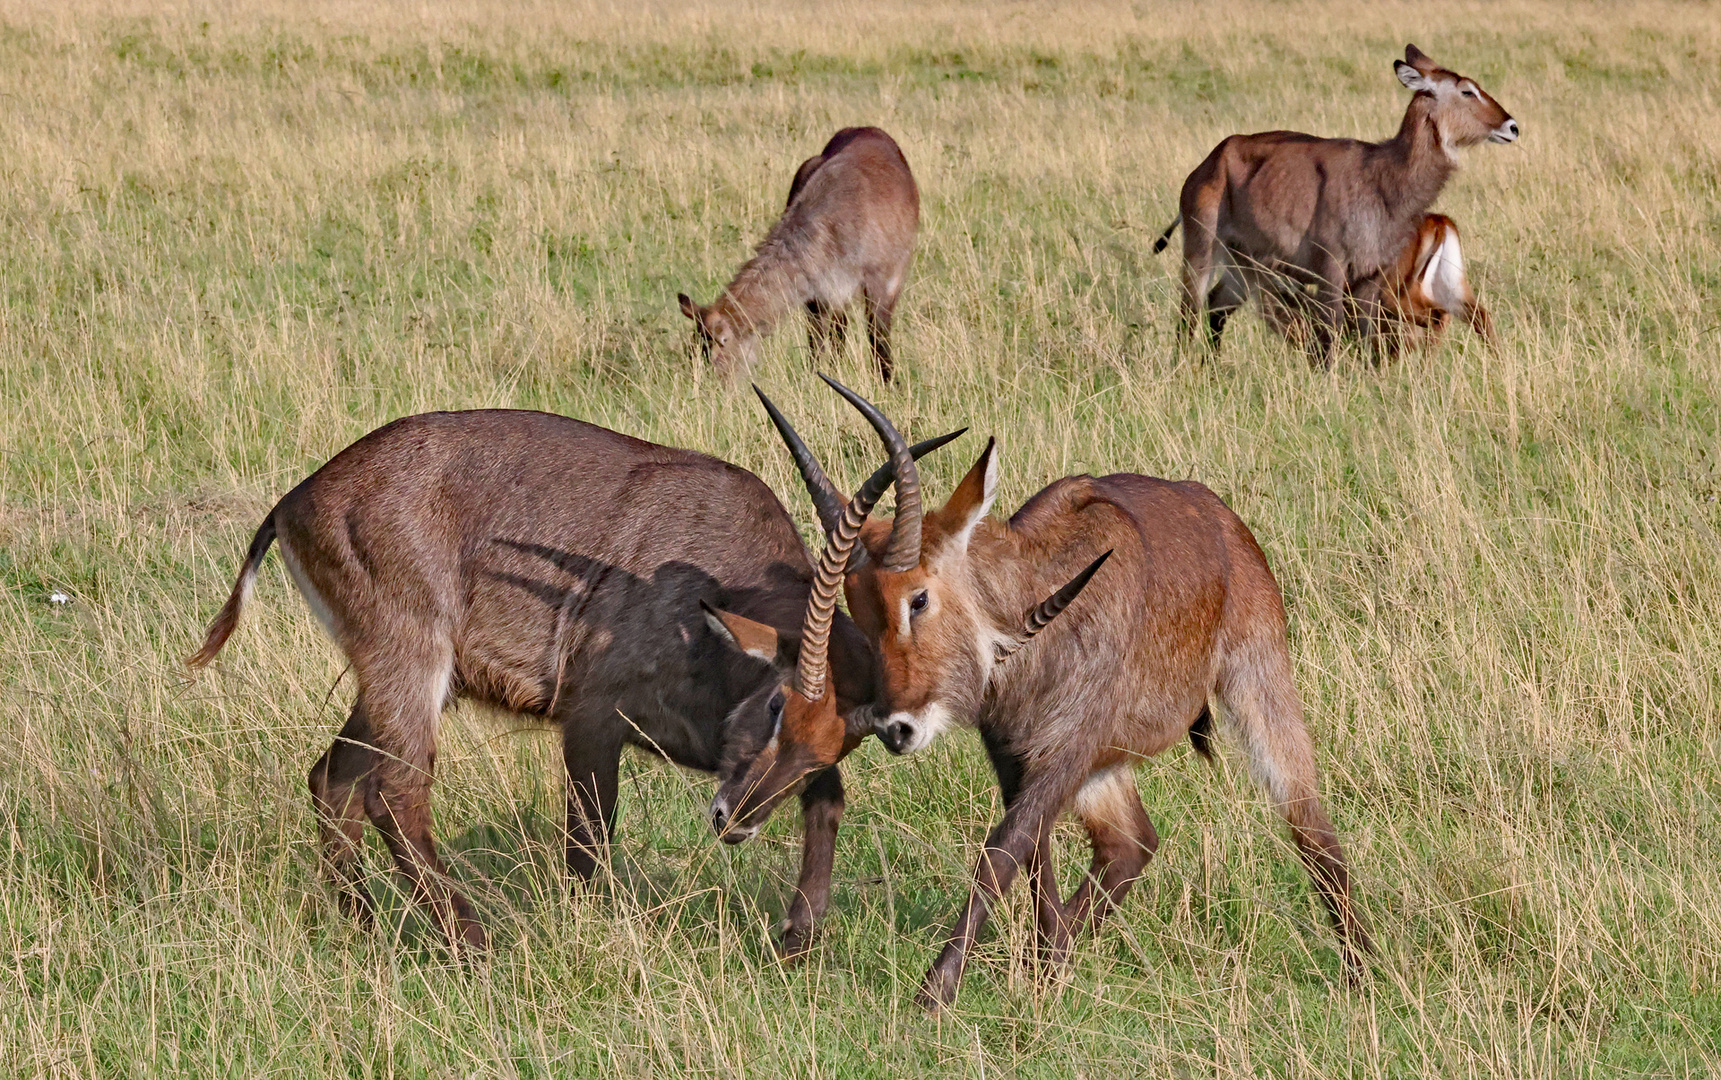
x=1443, y=278
x=312, y=598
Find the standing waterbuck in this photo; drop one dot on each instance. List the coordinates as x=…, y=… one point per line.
x=1186, y=615
x=848, y=228
x=1284, y=211
x=628, y=592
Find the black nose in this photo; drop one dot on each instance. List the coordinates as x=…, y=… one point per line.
x=719, y=815
x=1512, y=126
x=896, y=735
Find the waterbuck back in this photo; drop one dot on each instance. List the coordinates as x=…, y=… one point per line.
x=848, y=230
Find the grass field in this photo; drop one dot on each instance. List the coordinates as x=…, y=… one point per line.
x=234, y=241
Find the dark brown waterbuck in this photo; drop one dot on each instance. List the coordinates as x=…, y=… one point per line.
x=1186, y=615
x=848, y=230
x=630, y=593
x=1419, y=296
x=1285, y=211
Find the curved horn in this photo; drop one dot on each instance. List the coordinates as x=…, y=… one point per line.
x=903, y=551
x=827, y=500
x=811, y=669
x=1048, y=609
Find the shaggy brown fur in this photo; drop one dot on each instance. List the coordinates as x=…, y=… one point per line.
x=1419, y=294
x=1283, y=211
x=848, y=229
x=1184, y=613
x=558, y=569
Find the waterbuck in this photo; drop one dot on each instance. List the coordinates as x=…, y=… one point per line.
x=1285, y=211
x=630, y=593
x=1419, y=294
x=1186, y=614
x=848, y=228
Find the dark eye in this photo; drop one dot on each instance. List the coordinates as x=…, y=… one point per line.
x=1469, y=93
x=776, y=709
x=918, y=604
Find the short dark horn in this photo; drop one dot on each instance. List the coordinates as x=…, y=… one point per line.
x=903, y=551
x=1048, y=609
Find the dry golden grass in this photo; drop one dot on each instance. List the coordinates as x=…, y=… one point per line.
x=237, y=240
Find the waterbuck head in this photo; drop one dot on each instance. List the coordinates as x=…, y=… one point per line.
x=914, y=591
x=793, y=726
x=1462, y=112
x=725, y=335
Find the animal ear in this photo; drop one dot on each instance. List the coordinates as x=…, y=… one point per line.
x=971, y=500
x=753, y=638
x=688, y=307
x=1419, y=60
x=1412, y=78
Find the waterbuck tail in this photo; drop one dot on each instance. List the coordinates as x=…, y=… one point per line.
x=228, y=618
x=1165, y=237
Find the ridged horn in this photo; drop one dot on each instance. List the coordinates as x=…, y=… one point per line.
x=903, y=551
x=1048, y=609
x=813, y=666
x=827, y=500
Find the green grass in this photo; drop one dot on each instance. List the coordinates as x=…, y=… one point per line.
x=235, y=245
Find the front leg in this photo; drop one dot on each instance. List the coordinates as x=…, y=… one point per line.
x=821, y=813
x=1329, y=310
x=1049, y=913
x=592, y=754
x=1012, y=845
x=1377, y=330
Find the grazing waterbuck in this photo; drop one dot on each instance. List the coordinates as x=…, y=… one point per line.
x=848, y=228
x=1186, y=615
x=628, y=592
x=1285, y=211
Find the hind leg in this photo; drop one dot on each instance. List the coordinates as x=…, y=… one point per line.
x=879, y=313
x=1261, y=702
x=403, y=704
x=1197, y=276
x=1227, y=296
x=337, y=796
x=1123, y=841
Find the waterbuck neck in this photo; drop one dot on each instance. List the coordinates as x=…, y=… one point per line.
x=767, y=287
x=1009, y=573
x=1416, y=163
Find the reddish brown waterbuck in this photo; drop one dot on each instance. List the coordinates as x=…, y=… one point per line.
x=1285, y=211
x=628, y=592
x=1185, y=616
x=1420, y=293
x=848, y=230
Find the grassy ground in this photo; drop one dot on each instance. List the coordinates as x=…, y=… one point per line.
x=234, y=242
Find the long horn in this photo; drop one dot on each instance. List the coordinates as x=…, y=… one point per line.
x=827, y=500
x=813, y=666
x=1048, y=609
x=903, y=551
